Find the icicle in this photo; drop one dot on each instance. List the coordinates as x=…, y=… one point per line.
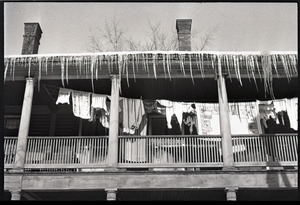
x=52, y=64
x=133, y=61
x=14, y=66
x=247, y=67
x=228, y=67
x=46, y=65
x=285, y=67
x=29, y=66
x=10, y=67
x=136, y=57
x=67, y=70
x=181, y=60
x=275, y=64
x=154, y=65
x=147, y=65
x=62, y=60
x=92, y=72
x=97, y=65
x=168, y=66
x=80, y=62
x=252, y=71
x=238, y=69
x=257, y=65
x=164, y=66
x=191, y=70
x=40, y=73
x=127, y=77
x=5, y=71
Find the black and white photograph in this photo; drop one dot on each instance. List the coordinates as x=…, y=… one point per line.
x=150, y=101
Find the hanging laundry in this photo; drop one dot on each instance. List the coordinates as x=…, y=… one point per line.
x=292, y=112
x=243, y=118
x=104, y=118
x=172, y=108
x=132, y=114
x=81, y=104
x=63, y=96
x=99, y=101
x=190, y=119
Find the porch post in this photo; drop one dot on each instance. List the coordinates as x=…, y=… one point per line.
x=224, y=121
x=231, y=193
x=15, y=195
x=111, y=194
x=24, y=125
x=114, y=123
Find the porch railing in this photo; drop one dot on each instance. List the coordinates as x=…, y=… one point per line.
x=66, y=152
x=90, y=153
x=260, y=150
x=170, y=151
x=10, y=149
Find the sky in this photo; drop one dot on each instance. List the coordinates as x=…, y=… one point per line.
x=66, y=26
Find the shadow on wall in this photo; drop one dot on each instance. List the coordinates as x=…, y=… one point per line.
x=277, y=177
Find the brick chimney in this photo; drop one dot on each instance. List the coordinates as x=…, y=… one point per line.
x=31, y=40
x=183, y=27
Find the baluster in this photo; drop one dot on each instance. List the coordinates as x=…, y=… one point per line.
x=293, y=148
x=288, y=148
x=257, y=149
x=284, y=148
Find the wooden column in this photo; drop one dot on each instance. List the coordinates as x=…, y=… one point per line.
x=231, y=193
x=114, y=123
x=15, y=195
x=111, y=194
x=24, y=125
x=224, y=121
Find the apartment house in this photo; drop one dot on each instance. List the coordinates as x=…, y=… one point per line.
x=152, y=125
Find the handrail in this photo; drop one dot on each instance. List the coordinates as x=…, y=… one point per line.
x=154, y=151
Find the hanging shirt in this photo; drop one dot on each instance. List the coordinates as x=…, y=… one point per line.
x=81, y=104
x=133, y=111
x=63, y=96
x=99, y=101
x=172, y=108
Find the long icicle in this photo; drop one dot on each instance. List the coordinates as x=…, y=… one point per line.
x=14, y=66
x=228, y=67
x=40, y=73
x=67, y=70
x=275, y=64
x=29, y=66
x=62, y=60
x=168, y=66
x=92, y=72
x=6, y=68
x=133, y=61
x=164, y=66
x=46, y=65
x=154, y=65
x=191, y=70
x=252, y=71
x=181, y=59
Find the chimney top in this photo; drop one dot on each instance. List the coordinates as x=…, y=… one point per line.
x=183, y=27
x=31, y=40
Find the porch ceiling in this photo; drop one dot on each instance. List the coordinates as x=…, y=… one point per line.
x=179, y=89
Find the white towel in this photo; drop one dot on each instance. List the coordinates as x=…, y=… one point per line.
x=99, y=101
x=81, y=104
x=63, y=96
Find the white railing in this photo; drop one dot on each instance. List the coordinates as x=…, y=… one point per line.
x=66, y=152
x=280, y=149
x=90, y=153
x=168, y=151
x=10, y=149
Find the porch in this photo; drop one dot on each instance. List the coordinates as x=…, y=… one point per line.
x=159, y=152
